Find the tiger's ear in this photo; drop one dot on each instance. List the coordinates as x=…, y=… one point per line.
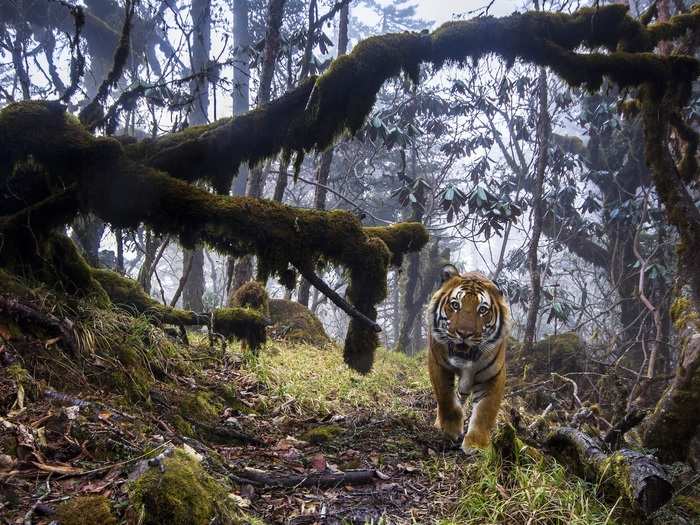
x=448, y=272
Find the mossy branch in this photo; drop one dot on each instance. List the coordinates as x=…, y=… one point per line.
x=313, y=115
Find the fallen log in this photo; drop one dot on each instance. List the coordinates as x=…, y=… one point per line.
x=25, y=312
x=637, y=478
x=316, y=479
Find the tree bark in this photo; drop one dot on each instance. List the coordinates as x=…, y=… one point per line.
x=194, y=285
x=543, y=136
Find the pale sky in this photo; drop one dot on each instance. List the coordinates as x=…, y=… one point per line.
x=443, y=10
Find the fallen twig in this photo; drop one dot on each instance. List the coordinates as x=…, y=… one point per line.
x=318, y=479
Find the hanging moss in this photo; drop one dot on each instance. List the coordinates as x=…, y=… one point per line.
x=252, y=295
x=121, y=184
x=181, y=493
x=86, y=510
x=243, y=323
x=128, y=295
x=400, y=238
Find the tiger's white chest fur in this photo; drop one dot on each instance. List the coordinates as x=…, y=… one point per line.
x=472, y=373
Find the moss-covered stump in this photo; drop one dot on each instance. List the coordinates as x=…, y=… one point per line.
x=292, y=321
x=86, y=510
x=251, y=295
x=245, y=324
x=557, y=353
x=178, y=491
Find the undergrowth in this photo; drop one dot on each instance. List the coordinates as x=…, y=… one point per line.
x=319, y=381
x=531, y=491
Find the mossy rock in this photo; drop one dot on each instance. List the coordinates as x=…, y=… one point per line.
x=86, y=510
x=202, y=406
x=180, y=493
x=294, y=322
x=322, y=434
x=556, y=353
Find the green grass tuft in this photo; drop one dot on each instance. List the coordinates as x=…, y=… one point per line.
x=321, y=382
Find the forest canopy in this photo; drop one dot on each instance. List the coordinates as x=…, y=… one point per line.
x=56, y=169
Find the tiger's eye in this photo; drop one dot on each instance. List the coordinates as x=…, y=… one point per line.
x=455, y=305
x=483, y=309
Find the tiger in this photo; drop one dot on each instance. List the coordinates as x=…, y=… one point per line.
x=469, y=323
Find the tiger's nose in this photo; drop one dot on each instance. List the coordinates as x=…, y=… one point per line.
x=463, y=333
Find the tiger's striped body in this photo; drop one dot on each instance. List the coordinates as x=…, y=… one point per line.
x=469, y=323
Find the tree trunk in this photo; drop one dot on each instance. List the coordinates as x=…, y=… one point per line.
x=676, y=418
x=194, y=286
x=411, y=304
x=199, y=110
x=241, y=101
x=324, y=168
x=88, y=231
x=255, y=186
x=543, y=134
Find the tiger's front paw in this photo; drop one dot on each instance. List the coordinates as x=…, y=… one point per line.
x=451, y=423
x=475, y=439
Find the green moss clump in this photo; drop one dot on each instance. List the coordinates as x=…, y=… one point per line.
x=556, y=353
x=18, y=374
x=183, y=494
x=400, y=238
x=322, y=434
x=202, y=406
x=54, y=260
x=183, y=427
x=252, y=295
x=243, y=323
x=294, y=322
x=683, y=314
x=86, y=510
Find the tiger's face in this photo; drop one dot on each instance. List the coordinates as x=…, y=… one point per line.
x=468, y=310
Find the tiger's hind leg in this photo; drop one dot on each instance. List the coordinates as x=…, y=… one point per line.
x=450, y=416
x=484, y=414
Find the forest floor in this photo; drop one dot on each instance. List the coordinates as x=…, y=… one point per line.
x=72, y=427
